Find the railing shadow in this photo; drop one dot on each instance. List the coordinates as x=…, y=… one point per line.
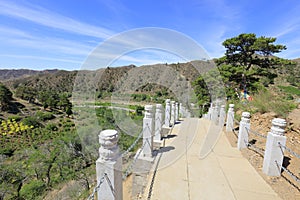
x=169, y=136
x=163, y=150
x=286, y=162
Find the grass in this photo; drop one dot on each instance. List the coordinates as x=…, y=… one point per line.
x=264, y=101
x=290, y=90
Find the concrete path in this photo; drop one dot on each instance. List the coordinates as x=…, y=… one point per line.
x=224, y=174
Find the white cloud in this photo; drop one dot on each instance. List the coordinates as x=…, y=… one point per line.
x=47, y=18
x=19, y=38
x=7, y=31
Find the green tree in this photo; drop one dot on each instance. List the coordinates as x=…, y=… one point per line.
x=5, y=97
x=27, y=93
x=247, y=50
x=48, y=99
x=64, y=101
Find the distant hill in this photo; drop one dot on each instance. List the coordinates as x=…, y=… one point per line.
x=297, y=60
x=8, y=74
x=63, y=81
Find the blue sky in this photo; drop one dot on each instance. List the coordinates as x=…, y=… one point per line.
x=61, y=34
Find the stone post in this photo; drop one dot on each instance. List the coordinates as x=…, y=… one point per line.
x=222, y=115
x=181, y=115
x=176, y=111
x=230, y=118
x=188, y=113
x=172, y=113
x=209, y=113
x=109, y=163
x=158, y=123
x=148, y=125
x=243, y=132
x=168, y=113
x=214, y=114
x=273, y=152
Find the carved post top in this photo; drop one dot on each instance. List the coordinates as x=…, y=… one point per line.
x=176, y=103
x=168, y=101
x=173, y=102
x=246, y=117
x=108, y=138
x=148, y=111
x=231, y=105
x=278, y=126
x=223, y=106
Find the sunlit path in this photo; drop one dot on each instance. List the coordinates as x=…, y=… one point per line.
x=223, y=174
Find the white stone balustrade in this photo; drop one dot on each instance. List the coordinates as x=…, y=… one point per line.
x=222, y=115
x=109, y=163
x=230, y=118
x=214, y=115
x=181, y=111
x=243, y=131
x=168, y=113
x=158, y=123
x=210, y=111
x=176, y=112
x=273, y=157
x=148, y=126
x=173, y=113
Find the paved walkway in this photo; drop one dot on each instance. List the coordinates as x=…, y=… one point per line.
x=224, y=174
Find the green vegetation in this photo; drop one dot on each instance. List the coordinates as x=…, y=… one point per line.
x=249, y=66
x=42, y=151
x=290, y=90
x=265, y=101
x=5, y=97
x=247, y=50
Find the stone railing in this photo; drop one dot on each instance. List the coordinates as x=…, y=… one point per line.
x=275, y=139
x=157, y=123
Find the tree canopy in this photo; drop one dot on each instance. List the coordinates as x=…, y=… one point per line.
x=247, y=50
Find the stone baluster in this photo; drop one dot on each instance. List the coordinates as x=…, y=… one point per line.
x=109, y=163
x=176, y=112
x=209, y=113
x=173, y=113
x=230, y=118
x=273, y=157
x=243, y=132
x=181, y=112
x=148, y=125
x=222, y=115
x=214, y=114
x=168, y=113
x=158, y=123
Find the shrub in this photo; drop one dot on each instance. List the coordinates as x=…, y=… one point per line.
x=51, y=127
x=15, y=118
x=33, y=189
x=31, y=121
x=43, y=116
